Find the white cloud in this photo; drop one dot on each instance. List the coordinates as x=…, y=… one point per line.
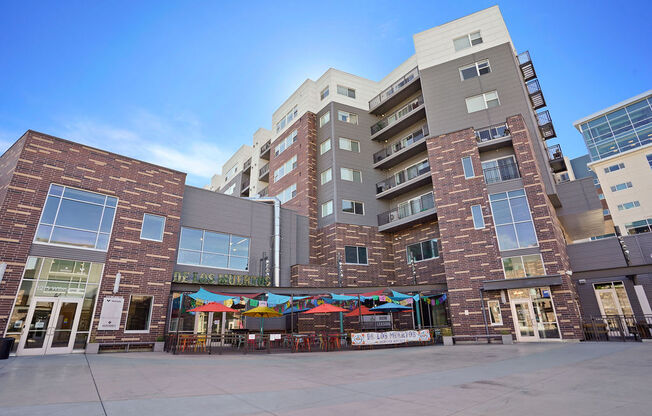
x=176, y=142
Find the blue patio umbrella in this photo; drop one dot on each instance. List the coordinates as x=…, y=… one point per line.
x=390, y=307
x=294, y=309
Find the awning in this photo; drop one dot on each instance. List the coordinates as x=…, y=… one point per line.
x=206, y=296
x=523, y=282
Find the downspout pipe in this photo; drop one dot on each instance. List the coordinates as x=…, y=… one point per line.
x=277, y=235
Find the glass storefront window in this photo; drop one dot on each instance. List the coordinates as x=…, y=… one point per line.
x=211, y=249
x=523, y=266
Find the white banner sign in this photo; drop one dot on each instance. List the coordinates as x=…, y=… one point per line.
x=390, y=337
x=111, y=313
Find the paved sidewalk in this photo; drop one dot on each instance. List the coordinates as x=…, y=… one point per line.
x=532, y=379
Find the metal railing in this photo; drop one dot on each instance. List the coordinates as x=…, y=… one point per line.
x=394, y=88
x=617, y=327
x=263, y=171
x=264, y=148
x=247, y=164
x=497, y=131
x=404, y=143
x=408, y=174
x=533, y=86
x=524, y=58
x=424, y=203
x=397, y=115
x=244, y=186
x=501, y=173
x=554, y=152
x=263, y=192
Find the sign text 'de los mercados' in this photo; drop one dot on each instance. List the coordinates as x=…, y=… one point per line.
x=220, y=279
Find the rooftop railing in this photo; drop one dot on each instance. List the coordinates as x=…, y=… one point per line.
x=397, y=115
x=392, y=89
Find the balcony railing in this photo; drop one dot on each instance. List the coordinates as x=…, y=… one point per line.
x=264, y=150
x=527, y=68
x=247, y=165
x=397, y=115
x=264, y=171
x=554, y=153
x=498, y=131
x=536, y=95
x=545, y=125
x=404, y=143
x=414, y=207
x=244, y=186
x=501, y=173
x=403, y=176
x=263, y=192
x=394, y=88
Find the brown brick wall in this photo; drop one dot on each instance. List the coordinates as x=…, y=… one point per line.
x=146, y=266
x=8, y=162
x=428, y=271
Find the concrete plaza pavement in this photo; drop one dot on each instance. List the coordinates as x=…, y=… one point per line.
x=534, y=379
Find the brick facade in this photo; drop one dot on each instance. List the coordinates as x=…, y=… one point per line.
x=146, y=266
x=427, y=272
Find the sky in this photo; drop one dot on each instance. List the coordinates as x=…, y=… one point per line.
x=185, y=84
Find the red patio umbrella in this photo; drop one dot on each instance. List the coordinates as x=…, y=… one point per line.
x=362, y=310
x=326, y=308
x=212, y=307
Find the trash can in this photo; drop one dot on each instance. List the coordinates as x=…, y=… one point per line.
x=5, y=347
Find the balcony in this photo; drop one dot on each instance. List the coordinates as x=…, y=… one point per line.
x=265, y=150
x=493, y=137
x=402, y=150
x=247, y=166
x=545, y=125
x=244, y=188
x=407, y=85
x=404, y=181
x=504, y=171
x=263, y=192
x=535, y=94
x=263, y=173
x=411, y=212
x=526, y=66
x=399, y=120
x=556, y=158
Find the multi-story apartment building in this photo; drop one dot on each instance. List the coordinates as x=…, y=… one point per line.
x=619, y=140
x=236, y=174
x=438, y=176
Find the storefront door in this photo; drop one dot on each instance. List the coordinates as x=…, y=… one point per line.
x=51, y=326
x=614, y=306
x=523, y=318
x=534, y=314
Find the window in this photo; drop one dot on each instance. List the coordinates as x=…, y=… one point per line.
x=139, y=313
x=614, y=168
x=230, y=190
x=229, y=175
x=72, y=217
x=288, y=193
x=211, y=249
x=482, y=101
x=494, y=132
x=649, y=159
x=285, y=168
x=327, y=208
x=606, y=212
x=350, y=145
x=324, y=93
x=152, y=228
x=600, y=196
x=628, y=205
x=621, y=186
x=499, y=170
x=347, y=117
x=324, y=119
x=475, y=70
x=352, y=175
x=285, y=143
x=494, y=312
x=639, y=227
x=467, y=164
x=287, y=119
x=523, y=266
x=355, y=255
x=514, y=226
x=352, y=207
x=325, y=146
x=346, y=91
x=467, y=41
x=424, y=250
x=414, y=206
x=478, y=218
x=326, y=176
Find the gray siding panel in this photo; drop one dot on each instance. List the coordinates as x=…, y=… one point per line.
x=67, y=253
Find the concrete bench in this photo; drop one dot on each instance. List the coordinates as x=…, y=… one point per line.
x=97, y=347
x=451, y=340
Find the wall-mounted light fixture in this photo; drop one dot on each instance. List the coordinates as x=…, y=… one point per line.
x=116, y=284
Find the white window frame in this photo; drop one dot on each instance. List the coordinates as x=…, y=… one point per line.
x=286, y=143
x=468, y=175
x=485, y=101
x=475, y=65
x=230, y=190
x=149, y=320
x=357, y=248
x=353, y=171
x=346, y=91
x=491, y=317
x=468, y=37
x=324, y=93
x=328, y=205
x=493, y=219
x=325, y=119
x=626, y=185
x=523, y=264
x=432, y=241
x=479, y=218
x=292, y=189
x=201, y=251
x=285, y=168
x=324, y=144
x=143, y=224
x=287, y=119
x=353, y=204
x=328, y=173
x=351, y=118
x=625, y=206
x=614, y=168
x=349, y=143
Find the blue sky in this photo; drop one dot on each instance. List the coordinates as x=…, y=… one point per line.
x=184, y=84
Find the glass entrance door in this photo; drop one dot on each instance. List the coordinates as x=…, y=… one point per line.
x=614, y=306
x=522, y=312
x=50, y=327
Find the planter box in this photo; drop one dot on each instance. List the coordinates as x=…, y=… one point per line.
x=92, y=348
x=158, y=346
x=448, y=340
x=507, y=339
